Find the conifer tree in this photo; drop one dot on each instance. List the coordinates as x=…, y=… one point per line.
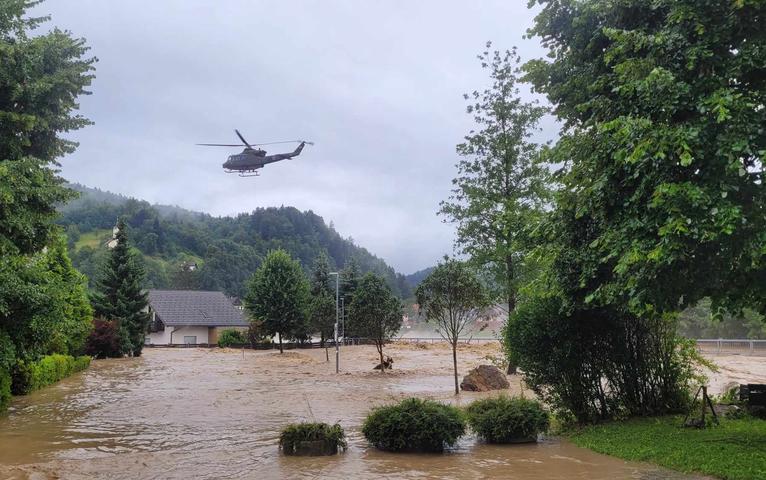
x=322, y=315
x=120, y=295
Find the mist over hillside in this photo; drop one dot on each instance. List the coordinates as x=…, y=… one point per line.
x=183, y=249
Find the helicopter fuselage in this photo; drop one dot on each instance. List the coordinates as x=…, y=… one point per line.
x=251, y=160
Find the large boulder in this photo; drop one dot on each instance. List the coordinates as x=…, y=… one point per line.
x=484, y=378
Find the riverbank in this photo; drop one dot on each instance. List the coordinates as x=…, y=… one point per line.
x=733, y=450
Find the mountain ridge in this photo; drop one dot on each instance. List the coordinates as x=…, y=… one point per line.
x=182, y=248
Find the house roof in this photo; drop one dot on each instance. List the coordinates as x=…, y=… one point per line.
x=193, y=307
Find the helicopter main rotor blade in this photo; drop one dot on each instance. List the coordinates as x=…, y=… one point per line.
x=286, y=141
x=242, y=138
x=218, y=144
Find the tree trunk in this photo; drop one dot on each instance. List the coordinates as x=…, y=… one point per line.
x=280, y=343
x=454, y=364
x=380, y=352
x=511, y=302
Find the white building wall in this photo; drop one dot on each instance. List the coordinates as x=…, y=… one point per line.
x=178, y=333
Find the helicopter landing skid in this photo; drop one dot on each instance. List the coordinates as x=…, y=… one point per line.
x=245, y=173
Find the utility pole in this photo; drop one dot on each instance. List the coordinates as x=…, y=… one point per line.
x=337, y=315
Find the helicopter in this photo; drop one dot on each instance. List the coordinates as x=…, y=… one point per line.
x=247, y=163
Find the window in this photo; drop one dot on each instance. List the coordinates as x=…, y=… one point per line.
x=190, y=340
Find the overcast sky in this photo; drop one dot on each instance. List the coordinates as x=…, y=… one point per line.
x=376, y=84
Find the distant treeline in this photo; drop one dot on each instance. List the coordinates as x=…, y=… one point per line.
x=190, y=250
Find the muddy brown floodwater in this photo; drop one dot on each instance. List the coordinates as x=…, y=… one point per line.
x=198, y=413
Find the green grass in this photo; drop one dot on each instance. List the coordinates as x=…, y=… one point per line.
x=93, y=239
x=734, y=450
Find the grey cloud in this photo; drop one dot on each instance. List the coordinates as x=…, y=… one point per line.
x=378, y=86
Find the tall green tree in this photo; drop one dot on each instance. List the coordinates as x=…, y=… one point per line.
x=663, y=104
x=278, y=295
x=499, y=192
x=323, y=307
x=453, y=298
x=375, y=312
x=119, y=293
x=41, y=77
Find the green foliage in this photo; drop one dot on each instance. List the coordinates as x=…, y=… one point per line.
x=733, y=450
x=229, y=337
x=227, y=250
x=375, y=313
x=5, y=389
x=414, y=425
x=662, y=101
x=323, y=306
x=31, y=376
x=120, y=294
x=41, y=77
x=293, y=434
x=453, y=298
x=700, y=321
x=278, y=296
x=500, y=190
x=600, y=363
x=506, y=420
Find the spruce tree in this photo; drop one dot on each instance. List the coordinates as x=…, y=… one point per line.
x=120, y=295
x=323, y=309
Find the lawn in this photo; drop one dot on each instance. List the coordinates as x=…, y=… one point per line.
x=93, y=239
x=735, y=450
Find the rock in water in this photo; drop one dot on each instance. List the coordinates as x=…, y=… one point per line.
x=484, y=378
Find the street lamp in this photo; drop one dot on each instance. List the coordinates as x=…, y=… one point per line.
x=337, y=312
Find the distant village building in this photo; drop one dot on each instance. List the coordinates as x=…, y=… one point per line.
x=190, y=317
x=113, y=241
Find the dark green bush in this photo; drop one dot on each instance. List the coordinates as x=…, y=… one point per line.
x=414, y=425
x=5, y=390
x=30, y=376
x=569, y=354
x=506, y=420
x=293, y=434
x=231, y=337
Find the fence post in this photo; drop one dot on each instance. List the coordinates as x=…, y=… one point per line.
x=751, y=347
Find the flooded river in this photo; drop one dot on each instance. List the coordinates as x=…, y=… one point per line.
x=197, y=413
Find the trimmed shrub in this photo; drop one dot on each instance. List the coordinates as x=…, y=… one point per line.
x=414, y=425
x=30, y=376
x=507, y=420
x=312, y=439
x=230, y=337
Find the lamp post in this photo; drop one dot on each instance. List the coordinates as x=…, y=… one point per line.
x=337, y=312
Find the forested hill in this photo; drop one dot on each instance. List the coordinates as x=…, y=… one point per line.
x=185, y=249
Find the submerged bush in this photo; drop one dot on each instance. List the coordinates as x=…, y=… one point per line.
x=414, y=425
x=231, y=337
x=506, y=420
x=332, y=436
x=30, y=376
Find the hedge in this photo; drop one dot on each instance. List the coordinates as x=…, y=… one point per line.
x=30, y=376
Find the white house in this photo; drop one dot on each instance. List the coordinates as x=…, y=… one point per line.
x=190, y=317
